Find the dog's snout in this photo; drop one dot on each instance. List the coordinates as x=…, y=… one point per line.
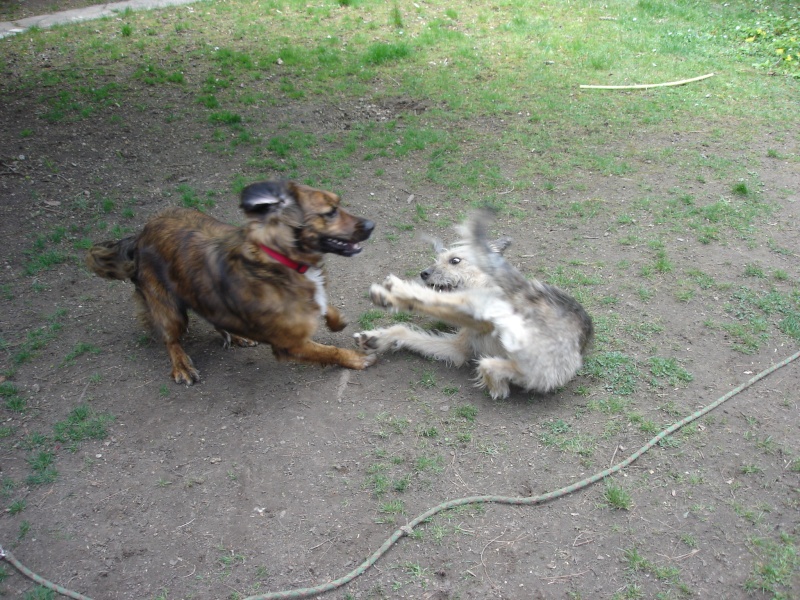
x=425, y=274
x=367, y=226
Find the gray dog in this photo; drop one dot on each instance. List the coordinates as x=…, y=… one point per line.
x=521, y=331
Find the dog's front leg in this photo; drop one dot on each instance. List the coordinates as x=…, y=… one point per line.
x=312, y=352
x=334, y=319
x=456, y=308
x=183, y=370
x=401, y=295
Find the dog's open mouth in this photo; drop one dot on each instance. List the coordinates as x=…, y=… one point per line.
x=441, y=287
x=341, y=247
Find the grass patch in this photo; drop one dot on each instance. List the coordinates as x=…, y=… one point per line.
x=38, y=338
x=368, y=319
x=617, y=372
x=82, y=423
x=668, y=369
x=80, y=349
x=777, y=562
x=617, y=497
x=558, y=434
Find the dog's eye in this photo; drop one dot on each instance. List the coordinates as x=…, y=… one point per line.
x=455, y=260
x=332, y=213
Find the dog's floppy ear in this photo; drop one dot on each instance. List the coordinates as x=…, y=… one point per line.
x=500, y=245
x=266, y=196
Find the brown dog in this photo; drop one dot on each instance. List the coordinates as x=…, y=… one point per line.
x=262, y=282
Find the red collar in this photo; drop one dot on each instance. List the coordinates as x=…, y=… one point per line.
x=285, y=260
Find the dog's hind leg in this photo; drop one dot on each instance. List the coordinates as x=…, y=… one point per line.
x=495, y=374
x=312, y=352
x=451, y=347
x=229, y=340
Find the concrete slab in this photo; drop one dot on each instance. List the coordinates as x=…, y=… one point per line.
x=78, y=15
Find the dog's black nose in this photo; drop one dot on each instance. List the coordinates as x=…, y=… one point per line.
x=367, y=226
x=425, y=274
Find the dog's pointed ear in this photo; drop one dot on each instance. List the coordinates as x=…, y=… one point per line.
x=500, y=245
x=264, y=197
x=437, y=244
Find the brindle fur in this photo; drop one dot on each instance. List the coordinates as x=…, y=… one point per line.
x=184, y=259
x=520, y=331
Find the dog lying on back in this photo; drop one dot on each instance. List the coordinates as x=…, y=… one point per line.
x=261, y=282
x=520, y=331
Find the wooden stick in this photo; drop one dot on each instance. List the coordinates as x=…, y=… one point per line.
x=644, y=86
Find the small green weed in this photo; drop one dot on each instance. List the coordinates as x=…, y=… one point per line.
x=190, y=198
x=396, y=17
x=466, y=412
x=43, y=470
x=368, y=319
x=231, y=558
x=750, y=469
x=80, y=349
x=382, y=52
x=557, y=434
x=39, y=338
x=617, y=497
x=24, y=529
x=82, y=423
x=393, y=507
x=428, y=463
x=609, y=406
x=11, y=398
x=39, y=593
x=44, y=260
x=638, y=563
x=777, y=562
x=428, y=379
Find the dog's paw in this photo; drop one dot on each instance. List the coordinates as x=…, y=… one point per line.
x=494, y=383
x=334, y=319
x=242, y=342
x=377, y=341
x=391, y=281
x=230, y=340
x=380, y=296
x=366, y=341
x=185, y=374
x=369, y=360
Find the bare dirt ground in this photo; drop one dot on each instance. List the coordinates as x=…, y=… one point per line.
x=267, y=476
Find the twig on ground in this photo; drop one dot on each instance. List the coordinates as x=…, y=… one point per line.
x=565, y=576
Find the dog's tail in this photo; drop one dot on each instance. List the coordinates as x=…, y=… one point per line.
x=488, y=257
x=113, y=259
